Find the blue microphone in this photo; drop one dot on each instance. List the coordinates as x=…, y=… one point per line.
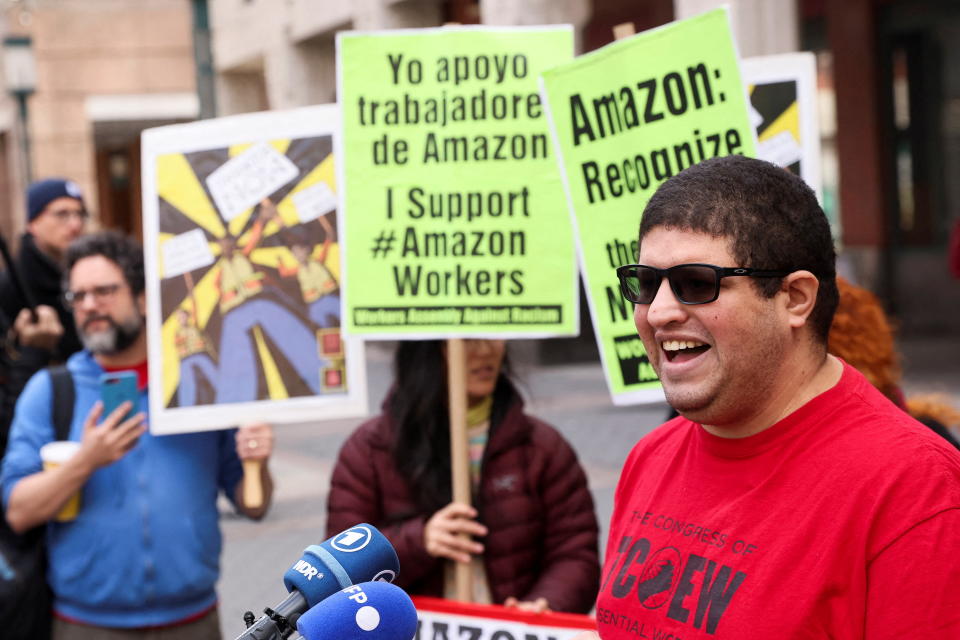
x=365, y=611
x=359, y=554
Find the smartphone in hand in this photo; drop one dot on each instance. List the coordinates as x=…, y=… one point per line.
x=117, y=387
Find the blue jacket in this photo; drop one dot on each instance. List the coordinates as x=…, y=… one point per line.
x=145, y=548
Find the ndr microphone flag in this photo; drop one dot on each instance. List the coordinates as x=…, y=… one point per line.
x=360, y=553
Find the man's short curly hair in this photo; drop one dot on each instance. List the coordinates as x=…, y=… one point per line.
x=770, y=216
x=114, y=246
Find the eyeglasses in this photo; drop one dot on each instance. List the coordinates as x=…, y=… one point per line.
x=690, y=283
x=62, y=215
x=100, y=294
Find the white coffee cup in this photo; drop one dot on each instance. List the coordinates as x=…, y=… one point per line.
x=53, y=455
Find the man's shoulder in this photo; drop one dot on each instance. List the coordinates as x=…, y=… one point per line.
x=865, y=419
x=83, y=369
x=909, y=472
x=665, y=439
x=869, y=440
x=40, y=385
x=899, y=442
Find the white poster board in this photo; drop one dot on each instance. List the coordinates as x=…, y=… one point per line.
x=243, y=268
x=783, y=98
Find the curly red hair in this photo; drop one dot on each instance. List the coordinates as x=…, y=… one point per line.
x=861, y=335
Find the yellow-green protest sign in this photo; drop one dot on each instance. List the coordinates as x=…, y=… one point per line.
x=455, y=220
x=626, y=118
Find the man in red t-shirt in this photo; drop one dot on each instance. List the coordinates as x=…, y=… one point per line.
x=790, y=499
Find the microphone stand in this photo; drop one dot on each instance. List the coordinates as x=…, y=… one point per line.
x=276, y=624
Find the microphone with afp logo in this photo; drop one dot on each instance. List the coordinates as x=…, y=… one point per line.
x=358, y=554
x=365, y=611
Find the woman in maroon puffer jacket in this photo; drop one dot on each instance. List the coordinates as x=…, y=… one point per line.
x=534, y=527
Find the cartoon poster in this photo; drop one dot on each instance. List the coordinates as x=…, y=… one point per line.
x=243, y=273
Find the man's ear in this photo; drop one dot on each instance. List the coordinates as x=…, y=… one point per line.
x=142, y=302
x=801, y=288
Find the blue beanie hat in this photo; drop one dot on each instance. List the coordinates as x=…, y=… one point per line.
x=43, y=192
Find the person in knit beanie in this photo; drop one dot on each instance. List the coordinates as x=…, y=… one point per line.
x=56, y=216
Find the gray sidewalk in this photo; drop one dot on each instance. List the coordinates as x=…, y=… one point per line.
x=931, y=364
x=573, y=398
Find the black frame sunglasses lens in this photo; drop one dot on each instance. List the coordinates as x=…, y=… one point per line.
x=694, y=284
x=630, y=285
x=691, y=284
x=638, y=283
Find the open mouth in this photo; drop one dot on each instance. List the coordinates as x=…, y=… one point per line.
x=482, y=372
x=683, y=350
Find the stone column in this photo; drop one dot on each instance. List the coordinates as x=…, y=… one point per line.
x=393, y=14
x=534, y=12
x=761, y=27
x=287, y=73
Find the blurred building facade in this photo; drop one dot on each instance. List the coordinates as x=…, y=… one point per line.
x=889, y=83
x=105, y=70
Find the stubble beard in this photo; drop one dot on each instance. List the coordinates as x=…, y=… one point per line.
x=736, y=389
x=691, y=402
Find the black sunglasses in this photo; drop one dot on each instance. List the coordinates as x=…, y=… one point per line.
x=690, y=283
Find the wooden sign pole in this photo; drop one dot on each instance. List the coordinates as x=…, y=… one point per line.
x=623, y=30
x=459, y=453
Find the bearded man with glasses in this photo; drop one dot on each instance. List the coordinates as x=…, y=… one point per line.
x=141, y=557
x=790, y=499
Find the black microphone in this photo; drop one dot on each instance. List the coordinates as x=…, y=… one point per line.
x=359, y=554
